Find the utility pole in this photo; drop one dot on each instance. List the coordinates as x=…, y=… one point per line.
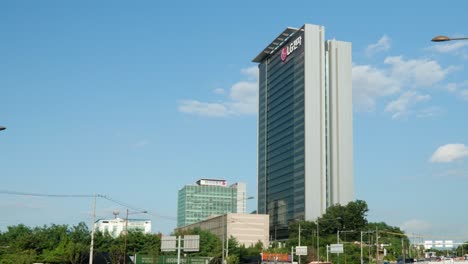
x=377, y=245
x=91, y=248
x=299, y=257
x=126, y=234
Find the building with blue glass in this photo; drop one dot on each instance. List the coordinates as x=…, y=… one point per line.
x=305, y=127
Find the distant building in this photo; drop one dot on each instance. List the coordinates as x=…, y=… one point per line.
x=305, y=127
x=248, y=229
x=209, y=197
x=116, y=226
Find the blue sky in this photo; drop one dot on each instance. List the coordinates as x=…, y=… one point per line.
x=136, y=99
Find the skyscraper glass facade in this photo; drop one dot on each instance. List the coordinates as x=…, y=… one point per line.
x=304, y=127
x=281, y=136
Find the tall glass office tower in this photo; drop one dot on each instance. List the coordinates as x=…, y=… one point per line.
x=305, y=131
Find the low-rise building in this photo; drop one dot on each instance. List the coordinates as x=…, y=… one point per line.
x=248, y=229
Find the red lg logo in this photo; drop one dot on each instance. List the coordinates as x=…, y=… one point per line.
x=284, y=54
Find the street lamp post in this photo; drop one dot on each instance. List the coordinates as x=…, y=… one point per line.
x=2, y=128
x=338, y=240
x=318, y=236
x=91, y=248
x=299, y=241
x=445, y=38
x=126, y=232
x=362, y=257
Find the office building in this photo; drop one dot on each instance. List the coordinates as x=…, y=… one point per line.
x=305, y=128
x=209, y=197
x=248, y=229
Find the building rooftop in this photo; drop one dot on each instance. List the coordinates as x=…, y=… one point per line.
x=278, y=41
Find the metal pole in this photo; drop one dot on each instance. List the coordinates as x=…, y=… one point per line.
x=91, y=248
x=227, y=243
x=328, y=249
x=126, y=234
x=362, y=260
x=377, y=245
x=178, y=249
x=222, y=243
x=299, y=257
x=292, y=255
x=318, y=242
x=338, y=241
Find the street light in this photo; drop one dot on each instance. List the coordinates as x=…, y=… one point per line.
x=2, y=128
x=299, y=235
x=126, y=232
x=445, y=38
x=364, y=232
x=242, y=199
x=318, y=236
x=338, y=239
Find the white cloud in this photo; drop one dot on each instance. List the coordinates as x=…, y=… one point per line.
x=450, y=47
x=203, y=109
x=464, y=94
x=244, y=96
x=243, y=99
x=382, y=45
x=140, y=144
x=416, y=73
x=218, y=91
x=369, y=83
x=449, y=152
x=459, y=89
x=401, y=106
x=251, y=72
x=415, y=226
x=397, y=75
x=428, y=112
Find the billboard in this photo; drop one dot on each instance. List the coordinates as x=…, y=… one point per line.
x=281, y=257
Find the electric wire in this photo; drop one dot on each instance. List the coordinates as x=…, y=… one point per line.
x=106, y=197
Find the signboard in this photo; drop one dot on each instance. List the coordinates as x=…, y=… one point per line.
x=301, y=250
x=449, y=243
x=279, y=257
x=428, y=244
x=336, y=248
x=168, y=243
x=290, y=48
x=191, y=243
x=209, y=182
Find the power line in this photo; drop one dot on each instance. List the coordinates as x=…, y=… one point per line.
x=87, y=196
x=46, y=195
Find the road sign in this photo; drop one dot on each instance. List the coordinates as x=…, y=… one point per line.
x=168, y=243
x=301, y=250
x=191, y=243
x=336, y=248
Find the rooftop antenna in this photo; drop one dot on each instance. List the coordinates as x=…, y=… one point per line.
x=115, y=213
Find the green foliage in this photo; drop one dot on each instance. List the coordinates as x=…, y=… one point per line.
x=60, y=244
x=349, y=220
x=210, y=244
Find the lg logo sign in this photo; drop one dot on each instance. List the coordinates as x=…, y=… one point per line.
x=290, y=48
